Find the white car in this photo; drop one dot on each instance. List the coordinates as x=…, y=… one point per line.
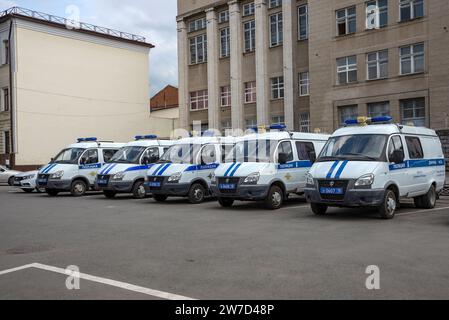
x=375, y=166
x=27, y=181
x=7, y=176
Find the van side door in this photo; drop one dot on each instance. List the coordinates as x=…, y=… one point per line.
x=287, y=172
x=306, y=157
x=209, y=158
x=398, y=170
x=419, y=168
x=89, y=164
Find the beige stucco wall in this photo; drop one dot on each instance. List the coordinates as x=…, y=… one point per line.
x=68, y=88
x=171, y=113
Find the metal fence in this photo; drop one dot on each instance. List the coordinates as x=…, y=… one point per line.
x=67, y=22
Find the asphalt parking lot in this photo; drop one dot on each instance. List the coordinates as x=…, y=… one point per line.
x=128, y=249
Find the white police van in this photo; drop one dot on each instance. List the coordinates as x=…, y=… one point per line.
x=267, y=167
x=75, y=168
x=126, y=171
x=186, y=169
x=372, y=163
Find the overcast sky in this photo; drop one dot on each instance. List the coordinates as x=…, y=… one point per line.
x=154, y=19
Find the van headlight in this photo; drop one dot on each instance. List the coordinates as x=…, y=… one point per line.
x=365, y=181
x=57, y=175
x=252, y=178
x=31, y=176
x=119, y=176
x=175, y=178
x=309, y=179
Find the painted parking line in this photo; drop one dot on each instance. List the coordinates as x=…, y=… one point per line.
x=421, y=211
x=109, y=282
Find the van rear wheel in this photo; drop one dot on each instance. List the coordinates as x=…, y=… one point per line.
x=427, y=201
x=388, y=208
x=319, y=209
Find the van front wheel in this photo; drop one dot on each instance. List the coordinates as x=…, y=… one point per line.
x=78, y=188
x=388, y=208
x=226, y=202
x=139, y=191
x=197, y=194
x=275, y=198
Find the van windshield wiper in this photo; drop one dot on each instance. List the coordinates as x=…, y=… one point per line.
x=361, y=156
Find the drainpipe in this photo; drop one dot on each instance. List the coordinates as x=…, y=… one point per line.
x=11, y=106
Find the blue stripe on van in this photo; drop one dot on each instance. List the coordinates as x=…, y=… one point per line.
x=235, y=169
x=295, y=165
x=331, y=171
x=161, y=172
x=422, y=163
x=229, y=169
x=342, y=168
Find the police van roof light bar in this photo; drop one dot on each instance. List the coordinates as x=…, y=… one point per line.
x=87, y=140
x=147, y=137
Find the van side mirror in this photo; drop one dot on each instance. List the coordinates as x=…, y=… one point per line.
x=282, y=158
x=312, y=156
x=397, y=157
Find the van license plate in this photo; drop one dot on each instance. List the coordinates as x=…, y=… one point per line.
x=103, y=182
x=331, y=191
x=227, y=186
x=42, y=182
x=154, y=184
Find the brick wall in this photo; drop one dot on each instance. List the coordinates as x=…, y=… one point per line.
x=444, y=136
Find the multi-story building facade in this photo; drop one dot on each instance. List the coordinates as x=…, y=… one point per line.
x=61, y=80
x=312, y=64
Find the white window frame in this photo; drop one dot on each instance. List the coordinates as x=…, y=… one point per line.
x=378, y=62
x=199, y=97
x=225, y=42
x=347, y=18
x=249, y=9
x=306, y=15
x=194, y=42
x=225, y=96
x=414, y=108
x=411, y=4
x=278, y=120
x=304, y=84
x=250, y=92
x=251, y=32
x=251, y=123
x=346, y=69
x=198, y=24
x=274, y=4
x=304, y=122
x=412, y=57
x=277, y=88
x=276, y=29
x=381, y=10
x=340, y=108
x=226, y=125
x=223, y=16
x=376, y=104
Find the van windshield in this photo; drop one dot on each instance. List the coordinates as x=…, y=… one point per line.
x=181, y=154
x=129, y=155
x=360, y=147
x=253, y=151
x=69, y=156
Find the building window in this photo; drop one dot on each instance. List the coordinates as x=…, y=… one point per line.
x=304, y=122
x=376, y=14
x=6, y=50
x=225, y=96
x=276, y=120
x=225, y=126
x=6, y=142
x=250, y=35
x=198, y=49
x=347, y=70
x=274, y=3
x=412, y=59
x=347, y=113
x=248, y=9
x=346, y=21
x=5, y=99
x=304, y=84
x=198, y=24
x=225, y=43
x=378, y=109
x=411, y=9
x=276, y=29
x=377, y=65
x=250, y=92
x=303, y=22
x=199, y=100
x=413, y=111
x=223, y=16
x=251, y=123
x=277, y=88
